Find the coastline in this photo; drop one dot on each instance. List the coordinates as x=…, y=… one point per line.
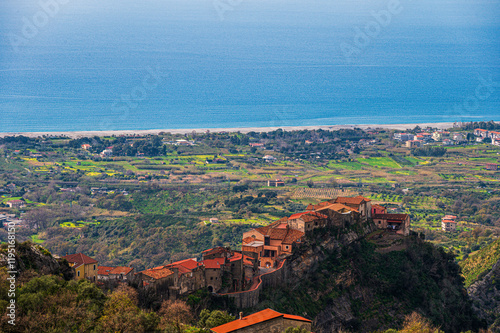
x=81, y=134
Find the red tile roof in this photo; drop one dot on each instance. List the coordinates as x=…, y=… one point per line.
x=213, y=263
x=337, y=207
x=121, y=270
x=158, y=273
x=299, y=215
x=292, y=236
x=353, y=201
x=248, y=240
x=253, y=319
x=104, y=270
x=79, y=259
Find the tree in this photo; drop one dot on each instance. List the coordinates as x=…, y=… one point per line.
x=213, y=319
x=122, y=315
x=416, y=323
x=175, y=315
x=310, y=183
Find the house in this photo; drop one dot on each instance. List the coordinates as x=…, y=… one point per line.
x=494, y=135
x=400, y=223
x=377, y=209
x=448, y=142
x=448, y=223
x=106, y=153
x=214, y=220
x=264, y=321
x=361, y=204
x=84, y=266
x=114, y=273
x=403, y=136
x=307, y=221
x=269, y=158
x=492, y=166
x=256, y=144
x=16, y=203
x=481, y=133
x=270, y=242
x=414, y=143
x=459, y=137
x=338, y=214
x=275, y=183
x=86, y=146
x=425, y=136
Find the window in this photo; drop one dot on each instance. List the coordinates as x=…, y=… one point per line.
x=267, y=240
x=94, y=267
x=286, y=247
x=211, y=278
x=78, y=273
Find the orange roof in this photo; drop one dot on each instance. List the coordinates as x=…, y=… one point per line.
x=104, y=270
x=338, y=207
x=158, y=273
x=292, y=236
x=298, y=215
x=186, y=263
x=213, y=263
x=253, y=319
x=79, y=259
x=248, y=240
x=353, y=201
x=121, y=270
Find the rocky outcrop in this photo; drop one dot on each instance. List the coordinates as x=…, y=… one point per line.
x=341, y=280
x=29, y=256
x=485, y=294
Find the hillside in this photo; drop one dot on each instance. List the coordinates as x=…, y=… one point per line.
x=479, y=264
x=372, y=283
x=485, y=289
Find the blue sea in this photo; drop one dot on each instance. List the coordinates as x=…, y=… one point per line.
x=71, y=65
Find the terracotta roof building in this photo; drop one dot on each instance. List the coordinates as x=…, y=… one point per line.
x=264, y=321
x=399, y=223
x=84, y=266
x=114, y=273
x=361, y=204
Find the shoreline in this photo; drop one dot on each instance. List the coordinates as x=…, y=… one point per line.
x=81, y=134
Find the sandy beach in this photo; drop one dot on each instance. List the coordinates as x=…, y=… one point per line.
x=81, y=134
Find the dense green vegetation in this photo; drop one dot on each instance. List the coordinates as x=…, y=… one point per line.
x=475, y=266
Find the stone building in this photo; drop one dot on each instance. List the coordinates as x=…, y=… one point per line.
x=399, y=223
x=106, y=273
x=271, y=242
x=361, y=204
x=265, y=321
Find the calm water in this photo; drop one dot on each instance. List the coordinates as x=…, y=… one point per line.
x=121, y=64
